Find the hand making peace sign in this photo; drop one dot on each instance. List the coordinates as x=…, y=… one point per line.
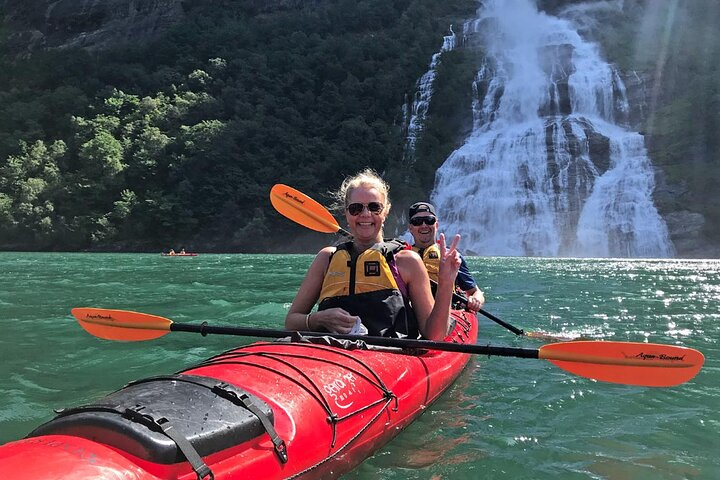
x=450, y=259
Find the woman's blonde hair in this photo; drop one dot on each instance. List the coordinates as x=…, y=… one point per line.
x=365, y=178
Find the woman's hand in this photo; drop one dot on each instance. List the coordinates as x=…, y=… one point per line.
x=334, y=320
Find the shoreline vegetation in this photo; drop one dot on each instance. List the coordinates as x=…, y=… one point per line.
x=178, y=141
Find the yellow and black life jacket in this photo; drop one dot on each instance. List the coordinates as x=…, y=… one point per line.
x=431, y=258
x=364, y=285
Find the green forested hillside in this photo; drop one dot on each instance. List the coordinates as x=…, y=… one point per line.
x=177, y=143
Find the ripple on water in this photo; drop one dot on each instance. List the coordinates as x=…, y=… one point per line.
x=18, y=407
x=29, y=384
x=220, y=303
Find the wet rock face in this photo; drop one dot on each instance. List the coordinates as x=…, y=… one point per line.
x=91, y=24
x=557, y=62
x=687, y=232
x=99, y=24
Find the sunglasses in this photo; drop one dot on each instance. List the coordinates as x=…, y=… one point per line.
x=356, y=209
x=428, y=220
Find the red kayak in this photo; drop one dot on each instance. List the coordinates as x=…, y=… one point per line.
x=266, y=410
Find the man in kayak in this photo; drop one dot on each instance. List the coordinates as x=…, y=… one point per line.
x=383, y=284
x=423, y=225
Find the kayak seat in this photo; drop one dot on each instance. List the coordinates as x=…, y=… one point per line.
x=200, y=409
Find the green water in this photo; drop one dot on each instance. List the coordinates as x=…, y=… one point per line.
x=505, y=418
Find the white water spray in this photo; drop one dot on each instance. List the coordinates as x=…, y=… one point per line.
x=551, y=168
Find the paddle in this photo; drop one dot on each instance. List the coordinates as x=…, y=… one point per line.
x=305, y=211
x=644, y=364
x=302, y=209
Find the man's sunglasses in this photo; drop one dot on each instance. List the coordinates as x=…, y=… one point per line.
x=356, y=209
x=428, y=220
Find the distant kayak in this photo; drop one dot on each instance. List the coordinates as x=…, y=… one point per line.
x=179, y=254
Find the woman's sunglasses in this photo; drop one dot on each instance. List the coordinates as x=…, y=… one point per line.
x=428, y=220
x=356, y=209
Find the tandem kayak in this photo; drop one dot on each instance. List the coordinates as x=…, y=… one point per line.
x=179, y=254
x=282, y=409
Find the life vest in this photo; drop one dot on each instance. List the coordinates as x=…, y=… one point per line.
x=364, y=285
x=431, y=258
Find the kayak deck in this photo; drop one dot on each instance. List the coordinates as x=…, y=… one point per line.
x=328, y=409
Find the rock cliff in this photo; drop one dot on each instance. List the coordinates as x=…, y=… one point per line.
x=90, y=24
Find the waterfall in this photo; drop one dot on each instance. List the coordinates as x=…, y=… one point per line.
x=551, y=167
x=419, y=106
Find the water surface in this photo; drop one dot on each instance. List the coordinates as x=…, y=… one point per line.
x=505, y=418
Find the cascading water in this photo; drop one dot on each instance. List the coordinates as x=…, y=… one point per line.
x=551, y=168
x=418, y=107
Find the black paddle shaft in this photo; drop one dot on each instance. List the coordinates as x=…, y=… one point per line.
x=462, y=299
x=489, y=350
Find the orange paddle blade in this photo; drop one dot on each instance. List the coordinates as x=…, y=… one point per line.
x=647, y=364
x=302, y=209
x=121, y=325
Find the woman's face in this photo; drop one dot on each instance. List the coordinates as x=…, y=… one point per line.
x=366, y=226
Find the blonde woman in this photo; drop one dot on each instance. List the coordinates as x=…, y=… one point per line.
x=380, y=284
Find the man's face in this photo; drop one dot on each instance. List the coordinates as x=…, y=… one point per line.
x=423, y=233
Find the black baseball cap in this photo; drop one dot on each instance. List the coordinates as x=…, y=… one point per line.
x=418, y=207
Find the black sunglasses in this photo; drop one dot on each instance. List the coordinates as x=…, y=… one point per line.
x=428, y=220
x=356, y=209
